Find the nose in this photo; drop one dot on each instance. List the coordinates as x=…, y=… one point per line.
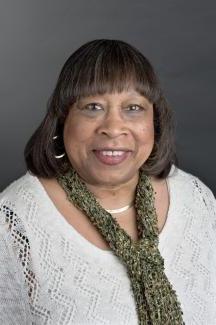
x=112, y=125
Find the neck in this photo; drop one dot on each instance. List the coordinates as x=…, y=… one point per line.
x=115, y=196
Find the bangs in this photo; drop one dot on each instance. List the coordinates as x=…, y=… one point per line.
x=109, y=67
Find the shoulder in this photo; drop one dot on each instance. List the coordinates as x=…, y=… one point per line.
x=188, y=180
x=191, y=189
x=19, y=188
x=18, y=196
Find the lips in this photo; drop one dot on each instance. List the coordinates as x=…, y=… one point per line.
x=112, y=157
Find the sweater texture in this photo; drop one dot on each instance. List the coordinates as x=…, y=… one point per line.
x=50, y=274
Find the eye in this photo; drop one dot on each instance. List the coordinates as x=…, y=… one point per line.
x=134, y=108
x=92, y=107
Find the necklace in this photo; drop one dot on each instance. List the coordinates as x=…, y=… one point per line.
x=156, y=301
x=123, y=209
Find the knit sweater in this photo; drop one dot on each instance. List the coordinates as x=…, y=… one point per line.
x=50, y=274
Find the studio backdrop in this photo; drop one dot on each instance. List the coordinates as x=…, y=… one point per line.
x=177, y=36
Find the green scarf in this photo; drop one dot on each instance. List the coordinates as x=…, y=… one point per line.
x=156, y=301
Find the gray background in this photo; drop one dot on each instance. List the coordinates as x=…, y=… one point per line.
x=177, y=36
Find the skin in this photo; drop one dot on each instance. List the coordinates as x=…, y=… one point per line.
x=122, y=121
x=114, y=121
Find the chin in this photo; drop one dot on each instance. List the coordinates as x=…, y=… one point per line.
x=111, y=179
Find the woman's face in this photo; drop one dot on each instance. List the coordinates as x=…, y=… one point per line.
x=108, y=137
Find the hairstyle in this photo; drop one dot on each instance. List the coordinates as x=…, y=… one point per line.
x=98, y=67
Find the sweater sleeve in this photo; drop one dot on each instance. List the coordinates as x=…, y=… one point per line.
x=14, y=306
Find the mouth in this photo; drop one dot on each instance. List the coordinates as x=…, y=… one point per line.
x=112, y=156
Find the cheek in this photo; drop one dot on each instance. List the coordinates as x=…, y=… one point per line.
x=74, y=133
x=145, y=134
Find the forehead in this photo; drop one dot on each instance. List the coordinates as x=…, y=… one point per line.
x=124, y=96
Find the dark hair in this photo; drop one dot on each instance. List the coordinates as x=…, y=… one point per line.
x=98, y=67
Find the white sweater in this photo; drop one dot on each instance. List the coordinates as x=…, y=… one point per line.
x=50, y=274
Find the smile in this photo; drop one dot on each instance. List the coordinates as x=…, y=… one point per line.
x=112, y=153
x=112, y=157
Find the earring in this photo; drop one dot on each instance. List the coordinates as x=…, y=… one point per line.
x=58, y=156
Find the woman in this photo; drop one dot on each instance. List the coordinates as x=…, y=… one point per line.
x=104, y=228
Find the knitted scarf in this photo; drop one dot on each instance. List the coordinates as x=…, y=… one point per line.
x=156, y=301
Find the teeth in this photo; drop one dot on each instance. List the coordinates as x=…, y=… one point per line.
x=112, y=153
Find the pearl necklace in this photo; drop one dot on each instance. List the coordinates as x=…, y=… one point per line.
x=127, y=207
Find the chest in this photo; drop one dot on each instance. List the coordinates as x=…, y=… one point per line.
x=93, y=286
x=126, y=220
